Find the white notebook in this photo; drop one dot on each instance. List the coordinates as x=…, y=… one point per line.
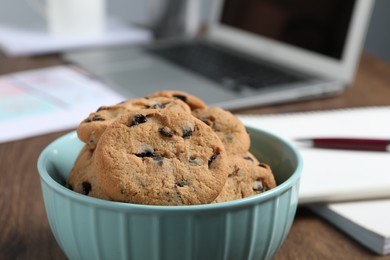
x=335, y=175
x=368, y=222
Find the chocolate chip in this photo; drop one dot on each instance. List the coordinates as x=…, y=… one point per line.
x=158, y=159
x=207, y=121
x=94, y=118
x=182, y=183
x=182, y=97
x=138, y=119
x=187, y=133
x=102, y=108
x=91, y=151
x=195, y=161
x=97, y=118
x=212, y=158
x=263, y=165
x=146, y=153
x=248, y=158
x=92, y=140
x=86, y=187
x=156, y=106
x=165, y=131
x=257, y=185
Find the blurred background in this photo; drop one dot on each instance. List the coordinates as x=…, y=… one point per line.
x=378, y=36
x=19, y=13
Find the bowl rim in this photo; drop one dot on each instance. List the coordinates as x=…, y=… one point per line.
x=255, y=199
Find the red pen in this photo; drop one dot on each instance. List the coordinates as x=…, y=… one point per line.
x=348, y=143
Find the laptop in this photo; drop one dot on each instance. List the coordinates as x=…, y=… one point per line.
x=254, y=53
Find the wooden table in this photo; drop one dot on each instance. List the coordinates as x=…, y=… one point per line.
x=24, y=229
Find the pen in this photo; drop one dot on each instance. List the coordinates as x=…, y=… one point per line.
x=348, y=143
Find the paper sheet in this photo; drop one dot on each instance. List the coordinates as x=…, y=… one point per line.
x=47, y=100
x=330, y=174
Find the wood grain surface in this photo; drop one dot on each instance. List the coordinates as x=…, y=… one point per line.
x=24, y=229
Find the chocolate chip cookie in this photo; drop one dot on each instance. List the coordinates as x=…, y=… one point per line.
x=90, y=129
x=247, y=177
x=160, y=157
x=229, y=128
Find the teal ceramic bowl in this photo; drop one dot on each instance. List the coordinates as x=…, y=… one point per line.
x=250, y=228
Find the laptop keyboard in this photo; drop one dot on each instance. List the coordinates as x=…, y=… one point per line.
x=234, y=72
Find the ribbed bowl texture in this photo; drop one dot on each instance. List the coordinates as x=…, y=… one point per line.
x=250, y=228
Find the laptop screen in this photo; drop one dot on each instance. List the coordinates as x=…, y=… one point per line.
x=320, y=26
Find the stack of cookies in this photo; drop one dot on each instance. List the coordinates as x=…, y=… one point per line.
x=168, y=148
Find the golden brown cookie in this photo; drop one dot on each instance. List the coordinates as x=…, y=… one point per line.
x=247, y=177
x=90, y=129
x=229, y=128
x=193, y=101
x=160, y=157
x=82, y=178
